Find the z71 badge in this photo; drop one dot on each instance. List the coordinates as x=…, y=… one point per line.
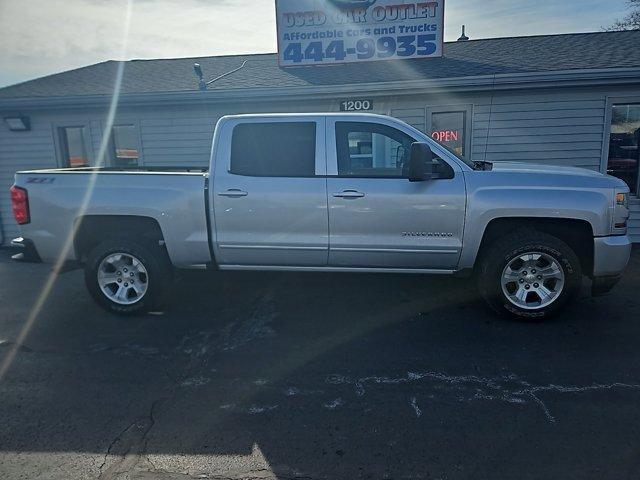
x=40, y=180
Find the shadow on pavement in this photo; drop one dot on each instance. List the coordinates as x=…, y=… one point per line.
x=260, y=375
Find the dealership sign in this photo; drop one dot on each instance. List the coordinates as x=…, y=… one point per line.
x=321, y=32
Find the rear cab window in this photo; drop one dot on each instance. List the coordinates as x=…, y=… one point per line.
x=277, y=149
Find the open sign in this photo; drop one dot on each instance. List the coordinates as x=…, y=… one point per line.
x=446, y=135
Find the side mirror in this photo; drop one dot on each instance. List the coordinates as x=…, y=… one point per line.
x=420, y=162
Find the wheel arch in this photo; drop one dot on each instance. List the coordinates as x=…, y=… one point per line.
x=90, y=230
x=578, y=234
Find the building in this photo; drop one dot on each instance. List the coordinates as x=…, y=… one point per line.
x=562, y=99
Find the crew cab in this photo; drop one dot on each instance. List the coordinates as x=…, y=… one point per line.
x=331, y=192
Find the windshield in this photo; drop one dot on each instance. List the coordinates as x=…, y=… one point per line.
x=454, y=151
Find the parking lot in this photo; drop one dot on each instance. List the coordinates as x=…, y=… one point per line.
x=316, y=376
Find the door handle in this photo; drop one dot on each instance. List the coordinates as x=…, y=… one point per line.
x=233, y=193
x=349, y=194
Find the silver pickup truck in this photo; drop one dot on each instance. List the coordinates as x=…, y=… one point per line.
x=331, y=192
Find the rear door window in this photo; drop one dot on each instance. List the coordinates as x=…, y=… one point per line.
x=280, y=149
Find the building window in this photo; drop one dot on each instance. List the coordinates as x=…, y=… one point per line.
x=74, y=146
x=371, y=150
x=624, y=154
x=279, y=149
x=124, y=140
x=449, y=127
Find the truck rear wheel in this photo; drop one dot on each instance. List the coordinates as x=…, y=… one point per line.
x=529, y=275
x=127, y=277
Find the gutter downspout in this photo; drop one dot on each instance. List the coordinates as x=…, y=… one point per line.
x=493, y=93
x=1, y=231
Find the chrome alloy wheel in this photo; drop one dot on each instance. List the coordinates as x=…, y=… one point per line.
x=123, y=278
x=532, y=280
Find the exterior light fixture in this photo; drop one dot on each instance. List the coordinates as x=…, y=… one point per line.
x=18, y=124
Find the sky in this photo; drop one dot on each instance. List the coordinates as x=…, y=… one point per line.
x=41, y=37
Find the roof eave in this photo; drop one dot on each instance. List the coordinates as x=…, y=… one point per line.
x=560, y=78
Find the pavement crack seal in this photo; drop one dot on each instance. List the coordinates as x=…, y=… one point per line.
x=508, y=388
x=416, y=408
x=130, y=444
x=201, y=346
x=533, y=392
x=129, y=447
x=256, y=325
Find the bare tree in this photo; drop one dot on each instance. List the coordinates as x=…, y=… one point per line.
x=631, y=21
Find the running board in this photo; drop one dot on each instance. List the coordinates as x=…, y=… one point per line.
x=280, y=268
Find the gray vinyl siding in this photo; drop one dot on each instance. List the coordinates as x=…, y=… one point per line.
x=20, y=150
x=416, y=117
x=634, y=220
x=560, y=130
x=177, y=140
x=95, y=134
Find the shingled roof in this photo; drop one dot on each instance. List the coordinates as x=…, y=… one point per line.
x=544, y=53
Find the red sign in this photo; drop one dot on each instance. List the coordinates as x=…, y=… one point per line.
x=446, y=135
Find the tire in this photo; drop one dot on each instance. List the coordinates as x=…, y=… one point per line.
x=529, y=275
x=145, y=266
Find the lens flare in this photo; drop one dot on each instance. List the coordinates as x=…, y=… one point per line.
x=68, y=244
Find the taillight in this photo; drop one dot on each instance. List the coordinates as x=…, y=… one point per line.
x=20, y=204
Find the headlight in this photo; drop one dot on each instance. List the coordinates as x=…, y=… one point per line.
x=620, y=213
x=622, y=199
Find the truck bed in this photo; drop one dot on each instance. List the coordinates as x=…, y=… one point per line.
x=172, y=197
x=140, y=169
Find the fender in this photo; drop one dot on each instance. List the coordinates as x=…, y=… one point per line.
x=490, y=203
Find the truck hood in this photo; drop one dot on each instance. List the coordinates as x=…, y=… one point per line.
x=543, y=169
x=546, y=176
x=556, y=173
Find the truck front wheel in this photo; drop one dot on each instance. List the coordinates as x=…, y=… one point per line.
x=127, y=277
x=529, y=275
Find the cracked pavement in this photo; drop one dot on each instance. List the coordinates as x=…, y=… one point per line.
x=316, y=376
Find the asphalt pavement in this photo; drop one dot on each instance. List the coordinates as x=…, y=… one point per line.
x=316, y=376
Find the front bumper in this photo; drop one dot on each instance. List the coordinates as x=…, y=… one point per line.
x=610, y=258
x=611, y=255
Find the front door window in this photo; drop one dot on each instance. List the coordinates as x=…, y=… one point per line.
x=371, y=150
x=624, y=154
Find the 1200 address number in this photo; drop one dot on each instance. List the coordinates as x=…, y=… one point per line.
x=365, y=49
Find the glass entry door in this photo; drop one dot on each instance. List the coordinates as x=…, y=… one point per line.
x=624, y=154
